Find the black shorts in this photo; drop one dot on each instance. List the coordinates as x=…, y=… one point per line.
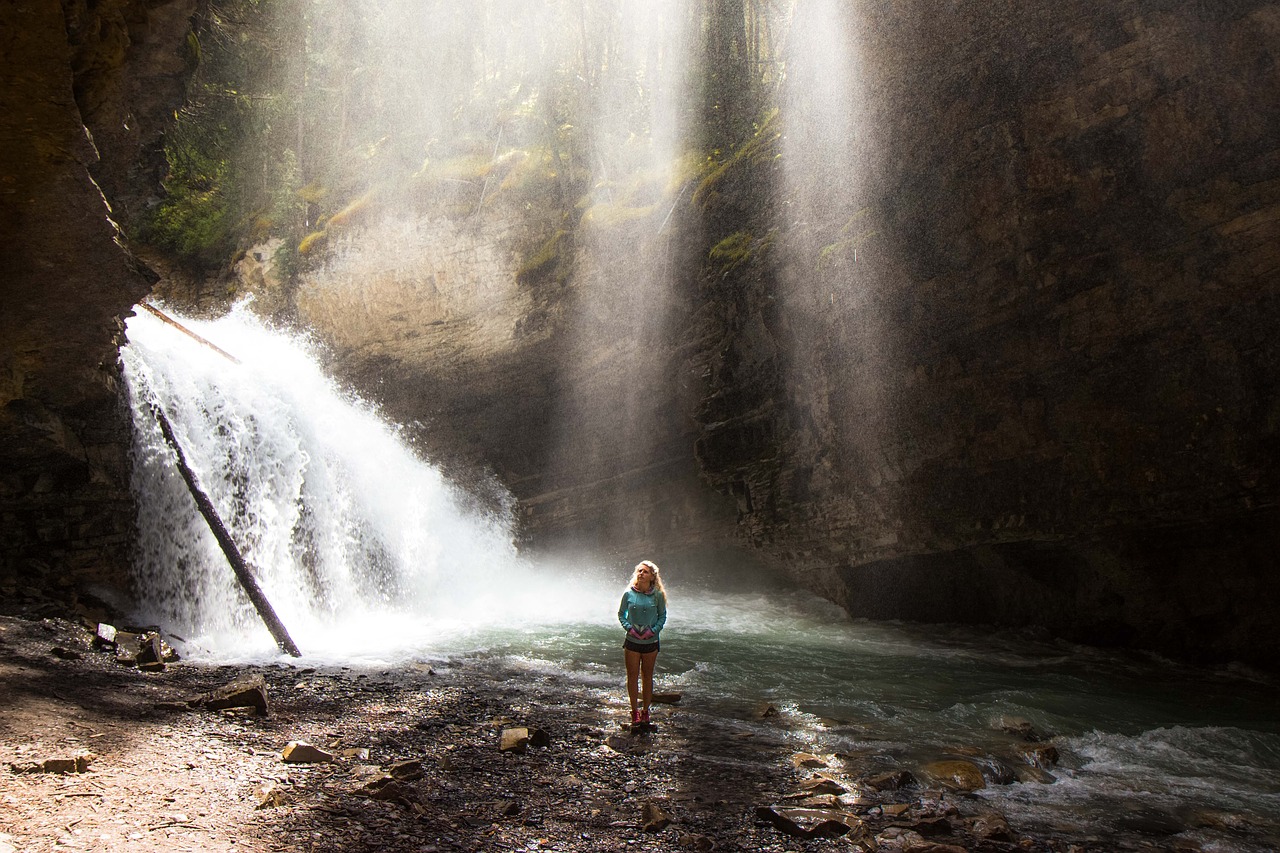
x=643, y=648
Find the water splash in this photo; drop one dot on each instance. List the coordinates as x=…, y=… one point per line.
x=361, y=546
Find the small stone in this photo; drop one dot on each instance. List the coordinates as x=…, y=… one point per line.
x=64, y=653
x=514, y=740
x=270, y=795
x=406, y=771
x=106, y=633
x=247, y=692
x=301, y=752
x=1042, y=755
x=357, y=753
x=822, y=785
x=809, y=823
x=892, y=781
x=653, y=818
x=806, y=759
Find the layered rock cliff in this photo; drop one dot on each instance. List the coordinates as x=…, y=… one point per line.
x=1025, y=376
x=87, y=87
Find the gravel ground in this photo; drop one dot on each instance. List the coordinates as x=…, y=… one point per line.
x=417, y=765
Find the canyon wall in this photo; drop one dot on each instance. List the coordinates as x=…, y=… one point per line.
x=1027, y=375
x=87, y=87
x=1043, y=390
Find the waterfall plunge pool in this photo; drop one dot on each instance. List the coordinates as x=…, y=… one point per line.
x=373, y=559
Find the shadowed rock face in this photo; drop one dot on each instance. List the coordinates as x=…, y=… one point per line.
x=86, y=91
x=1042, y=392
x=1045, y=391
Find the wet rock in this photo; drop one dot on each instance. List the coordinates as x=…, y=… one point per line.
x=891, y=781
x=247, y=692
x=653, y=818
x=665, y=698
x=1042, y=755
x=807, y=759
x=821, y=785
x=931, y=827
x=769, y=711
x=990, y=827
x=1032, y=774
x=995, y=771
x=923, y=846
x=150, y=655
x=301, y=752
x=1018, y=727
x=809, y=823
x=956, y=774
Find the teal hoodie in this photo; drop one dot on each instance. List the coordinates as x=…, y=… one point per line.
x=642, y=610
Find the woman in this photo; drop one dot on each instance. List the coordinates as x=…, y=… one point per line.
x=643, y=612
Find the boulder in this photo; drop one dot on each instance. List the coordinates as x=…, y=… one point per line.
x=1019, y=727
x=956, y=774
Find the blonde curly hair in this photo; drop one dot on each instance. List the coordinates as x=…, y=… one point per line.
x=657, y=576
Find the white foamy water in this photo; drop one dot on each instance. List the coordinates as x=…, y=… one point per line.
x=372, y=557
x=363, y=548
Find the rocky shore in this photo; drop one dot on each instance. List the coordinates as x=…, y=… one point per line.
x=444, y=755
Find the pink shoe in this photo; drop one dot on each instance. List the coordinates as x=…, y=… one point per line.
x=635, y=717
x=644, y=715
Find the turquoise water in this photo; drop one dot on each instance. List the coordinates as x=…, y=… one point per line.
x=372, y=558
x=1149, y=749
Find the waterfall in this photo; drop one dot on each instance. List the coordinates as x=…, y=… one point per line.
x=361, y=546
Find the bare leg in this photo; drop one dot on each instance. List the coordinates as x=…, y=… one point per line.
x=633, y=676
x=647, y=663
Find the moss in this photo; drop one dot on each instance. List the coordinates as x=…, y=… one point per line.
x=314, y=192
x=845, y=250
x=312, y=241
x=351, y=212
x=759, y=150
x=543, y=262
x=739, y=248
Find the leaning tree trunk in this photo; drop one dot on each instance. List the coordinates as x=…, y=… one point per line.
x=243, y=573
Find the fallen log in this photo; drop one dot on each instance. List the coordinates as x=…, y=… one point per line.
x=243, y=573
